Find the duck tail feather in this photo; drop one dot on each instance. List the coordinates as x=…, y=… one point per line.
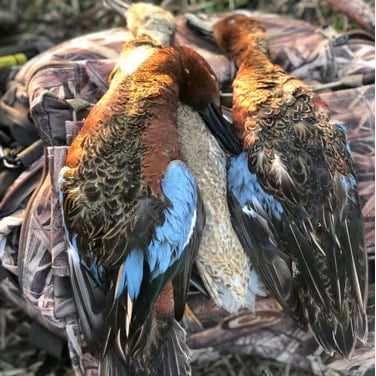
x=170, y=355
x=111, y=365
x=334, y=337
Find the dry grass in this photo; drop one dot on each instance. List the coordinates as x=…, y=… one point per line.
x=18, y=355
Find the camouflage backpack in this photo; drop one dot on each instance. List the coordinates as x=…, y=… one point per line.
x=59, y=87
x=52, y=95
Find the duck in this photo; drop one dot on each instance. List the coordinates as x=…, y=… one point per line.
x=223, y=267
x=293, y=193
x=133, y=212
x=151, y=28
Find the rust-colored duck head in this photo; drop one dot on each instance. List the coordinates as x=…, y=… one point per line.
x=133, y=211
x=238, y=34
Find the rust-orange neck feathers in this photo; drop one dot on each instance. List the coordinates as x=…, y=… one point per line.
x=244, y=40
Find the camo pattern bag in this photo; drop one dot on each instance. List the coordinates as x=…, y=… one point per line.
x=61, y=84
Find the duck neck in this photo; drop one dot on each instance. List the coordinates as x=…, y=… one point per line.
x=256, y=78
x=254, y=57
x=195, y=81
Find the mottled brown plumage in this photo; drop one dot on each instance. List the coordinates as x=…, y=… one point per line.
x=133, y=210
x=224, y=267
x=294, y=194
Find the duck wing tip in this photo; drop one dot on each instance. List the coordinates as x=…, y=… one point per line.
x=222, y=130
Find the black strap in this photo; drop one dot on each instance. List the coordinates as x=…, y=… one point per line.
x=16, y=121
x=11, y=200
x=23, y=158
x=4, y=273
x=44, y=339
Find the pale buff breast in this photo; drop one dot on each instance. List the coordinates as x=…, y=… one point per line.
x=221, y=261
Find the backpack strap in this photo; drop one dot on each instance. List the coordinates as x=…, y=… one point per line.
x=44, y=339
x=78, y=105
x=4, y=274
x=19, y=189
x=15, y=121
x=24, y=158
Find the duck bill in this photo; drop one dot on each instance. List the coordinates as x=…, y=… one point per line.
x=200, y=24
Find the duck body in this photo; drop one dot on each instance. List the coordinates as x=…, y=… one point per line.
x=223, y=265
x=293, y=193
x=133, y=211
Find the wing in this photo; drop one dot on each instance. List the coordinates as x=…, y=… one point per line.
x=221, y=130
x=88, y=287
x=89, y=295
x=181, y=280
x=312, y=251
x=146, y=274
x=339, y=236
x=256, y=216
x=331, y=259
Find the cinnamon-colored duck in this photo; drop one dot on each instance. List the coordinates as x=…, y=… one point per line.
x=223, y=266
x=293, y=193
x=133, y=212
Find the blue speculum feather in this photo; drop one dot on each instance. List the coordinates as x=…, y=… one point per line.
x=348, y=182
x=131, y=274
x=245, y=187
x=170, y=239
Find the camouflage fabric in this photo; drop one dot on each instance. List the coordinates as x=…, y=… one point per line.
x=302, y=49
x=60, y=85
x=57, y=89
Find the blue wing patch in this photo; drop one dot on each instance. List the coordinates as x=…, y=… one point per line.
x=131, y=274
x=171, y=238
x=348, y=182
x=246, y=189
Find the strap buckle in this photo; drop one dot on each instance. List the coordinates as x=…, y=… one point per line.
x=10, y=160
